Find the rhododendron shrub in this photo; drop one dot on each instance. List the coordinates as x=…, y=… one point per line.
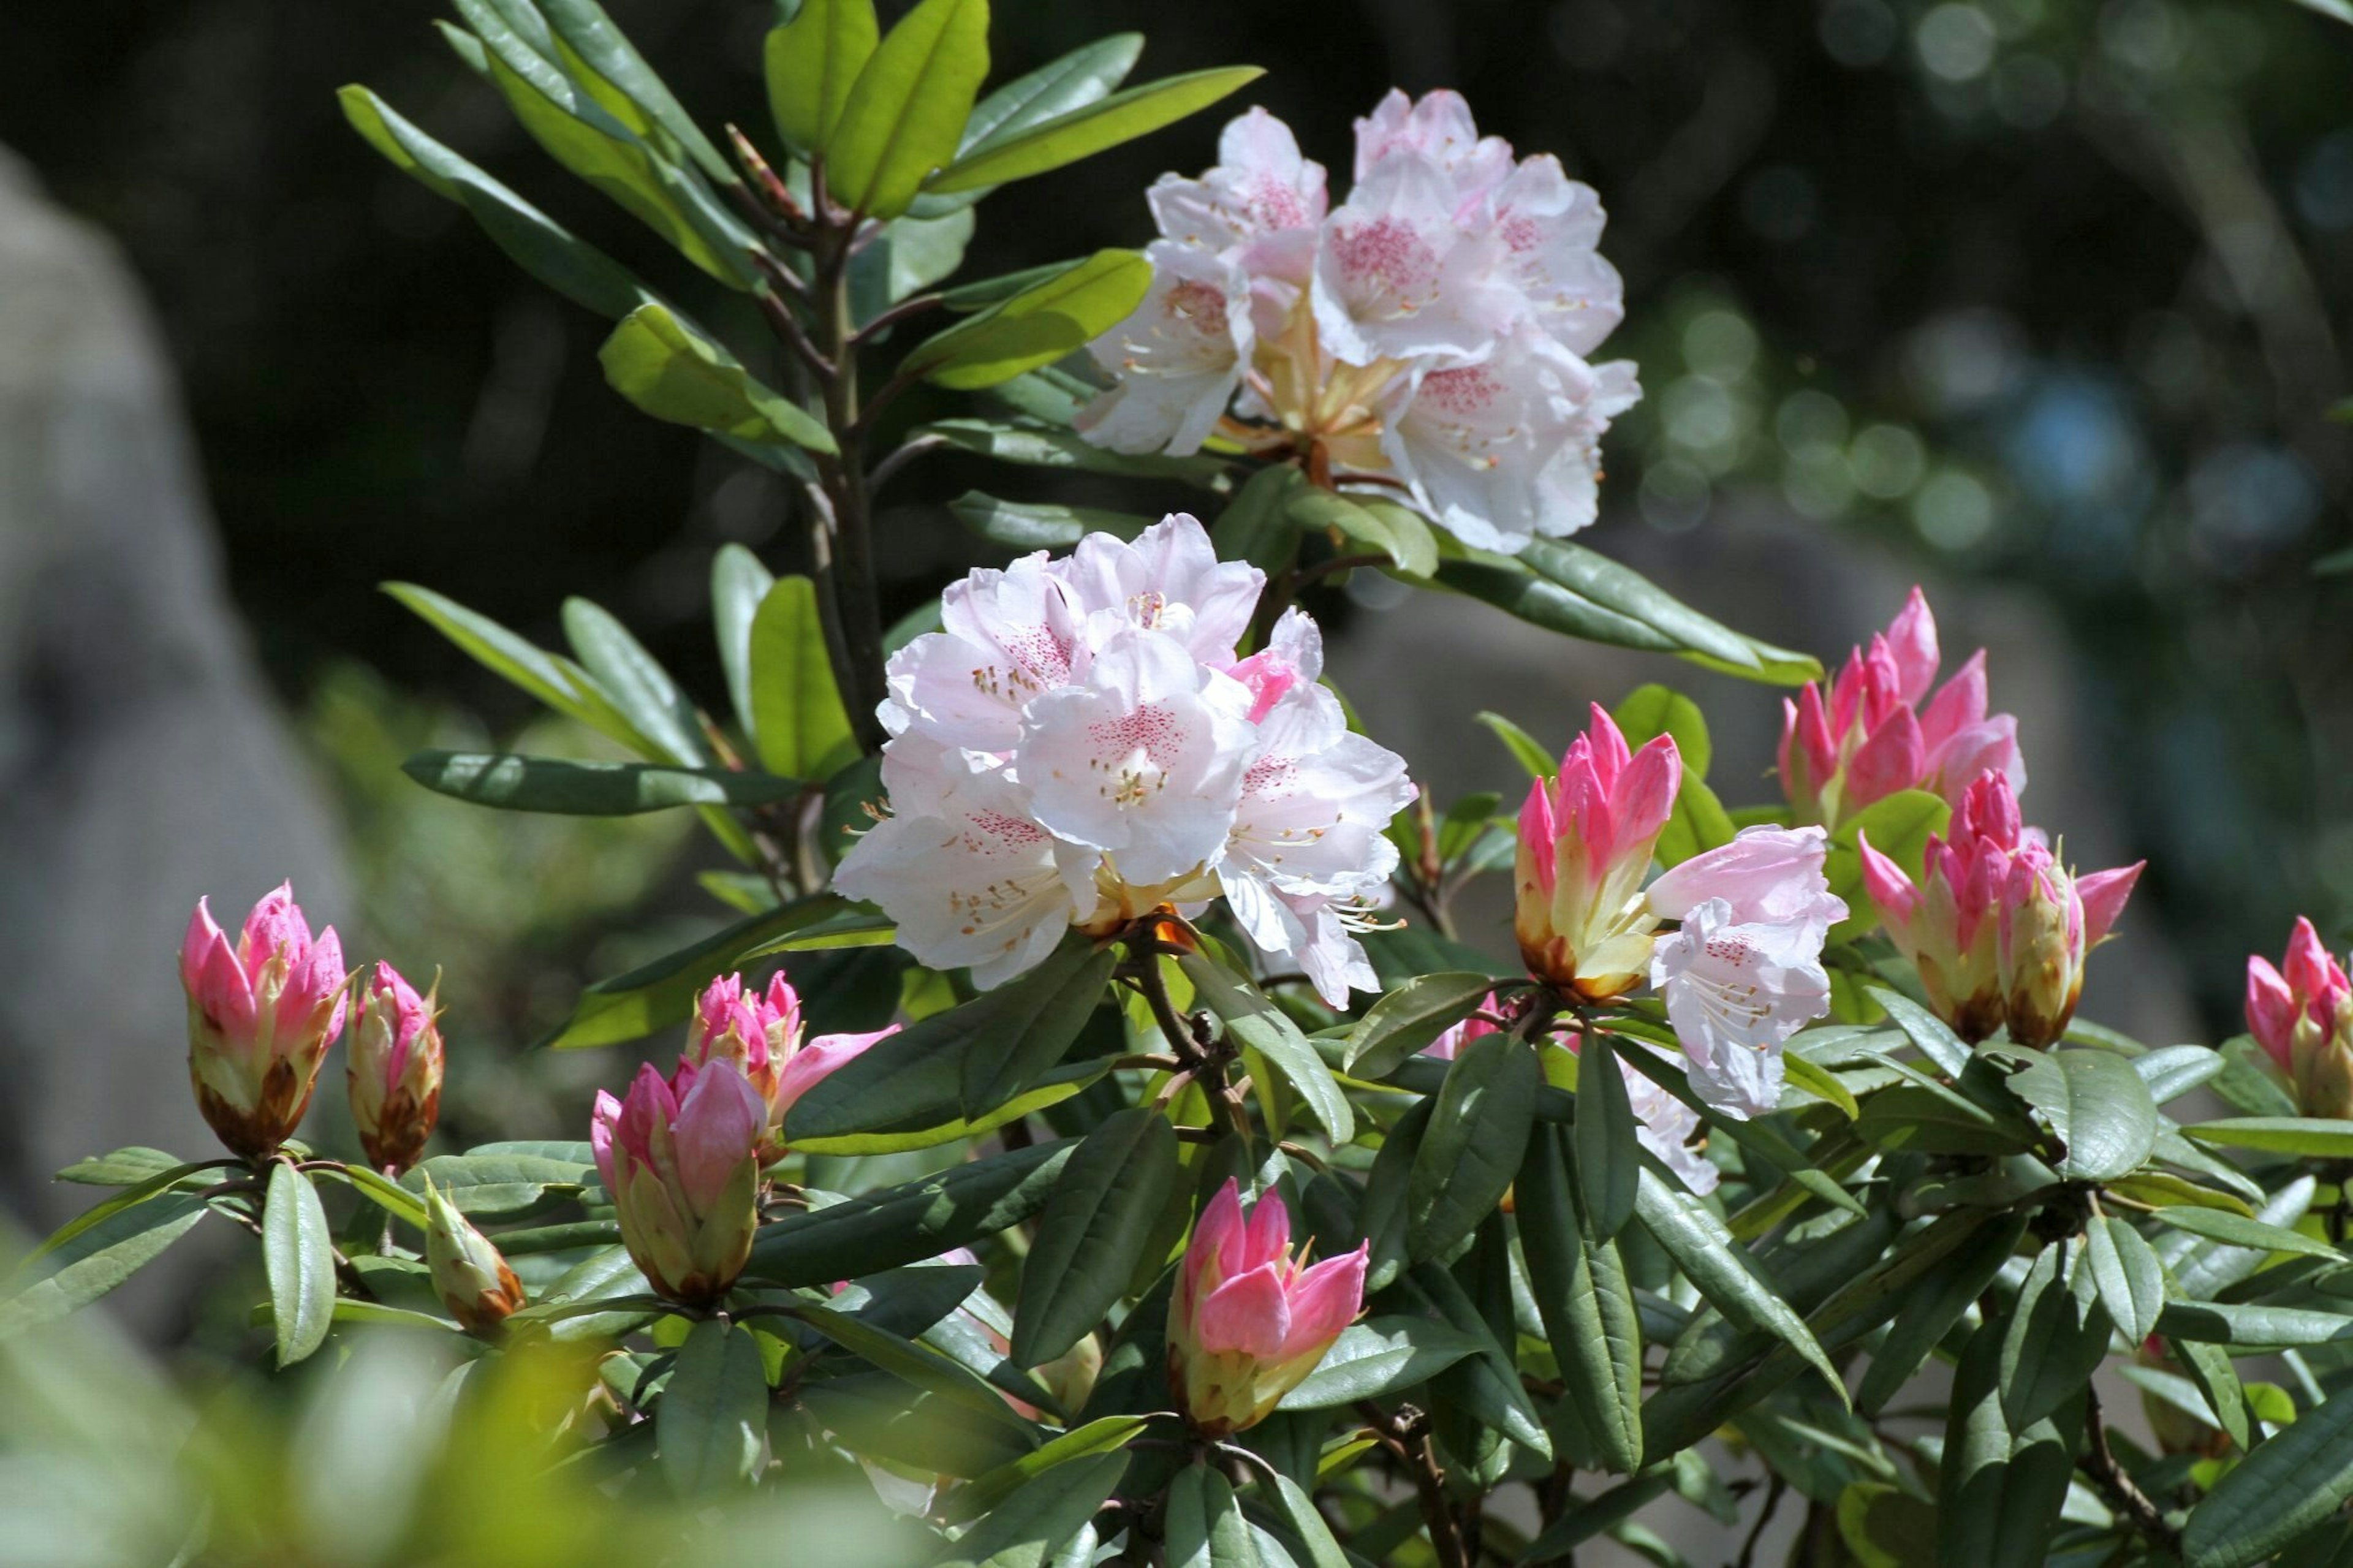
x=1088, y=1127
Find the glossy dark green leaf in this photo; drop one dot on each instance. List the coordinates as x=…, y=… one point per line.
x=2097, y=1108
x=512, y=783
x=1720, y=1270
x=911, y=1221
x=1925, y=1029
x=95, y=1260
x=2131, y=1280
x=1297, y=1510
x=2175, y=1070
x=918, y=1365
x=1628, y=593
x=1257, y=1024
x=2293, y=1481
x=1011, y=152
x=1032, y=1523
x=2002, y=1485
x=1608, y=1155
x=1094, y=1231
x=125, y=1167
x=1488, y=1382
x=2208, y=1368
x=1204, y=1524
x=676, y=373
x=811, y=62
x=1037, y=326
x=298, y=1252
x=910, y=255
x=905, y=114
x=1934, y=1305
x=1380, y=1209
x=662, y=992
x=1584, y=1302
x=1409, y=1017
x=1037, y=446
x=1379, y=1358
x=2311, y=1136
x=2236, y=1230
x=708, y=1426
x=1649, y=711
x=2249, y=1329
x=2054, y=1338
x=555, y=681
x=134, y=1194
x=1024, y=526
x=1472, y=1146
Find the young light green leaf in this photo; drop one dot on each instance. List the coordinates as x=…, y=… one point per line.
x=587, y=39
x=906, y=113
x=799, y=723
x=298, y=1252
x=676, y=373
x=811, y=62
x=1008, y=155
x=1094, y=1231
x=556, y=682
x=738, y=583
x=708, y=1426
x=1071, y=81
x=1038, y=325
x=1525, y=749
x=1649, y=711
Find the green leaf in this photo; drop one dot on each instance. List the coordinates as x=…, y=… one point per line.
x=1071, y=81
x=1512, y=587
x=2000, y=1486
x=1377, y=527
x=1525, y=749
x=1105, y=1434
x=1024, y=526
x=1011, y=154
x=392, y=1197
x=590, y=43
x=1898, y=826
x=299, y=1254
x=1699, y=823
x=2095, y=1106
x=1487, y=1385
x=636, y=682
x=1259, y=1024
x=902, y=1358
x=2131, y=1280
x=1094, y=1231
x=1038, y=447
x=1204, y=1527
x=1038, y=326
x=1584, y=1303
x=1652, y=711
x=1627, y=593
x=555, y=681
x=2293, y=1481
x=675, y=374
x=2208, y=1368
x=2311, y=1136
x=2175, y=1070
x=125, y=1167
x=909, y=254
x=1720, y=1270
x=2054, y=1338
x=1609, y=1157
x=1376, y=1359
x=1297, y=1510
x=709, y=1424
x=738, y=582
x=533, y=240
x=1928, y=1314
x=96, y=1260
x=2247, y=1330
x=1410, y=1018
x=799, y=723
x=2237, y=1230
x=1254, y=526
x=906, y=113
x=629, y=1006
x=1030, y=1525
x=1925, y=1029
x=137, y=1193
x=1821, y=1083
x=811, y=62
x=1473, y=1145
x=512, y=783
x=910, y=1222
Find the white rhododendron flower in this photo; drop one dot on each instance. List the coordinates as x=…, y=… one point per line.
x=1078, y=746
x=1428, y=334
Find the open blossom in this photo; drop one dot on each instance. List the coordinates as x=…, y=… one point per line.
x=1997, y=930
x=1878, y=730
x=394, y=1069
x=1428, y=333
x=261, y=1015
x=761, y=1033
x=1249, y=1318
x=2303, y=1014
x=1742, y=971
x=682, y=1159
x=1585, y=839
x=1080, y=746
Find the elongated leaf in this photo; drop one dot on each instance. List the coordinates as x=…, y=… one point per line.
x=2309, y=1136
x=798, y=720
x=1513, y=588
x=2175, y=1070
x=676, y=373
x=1721, y=1272
x=137, y=1193
x=593, y=43
x=2131, y=1280
x=2247, y=1330
x=2095, y=1106
x=1609, y=1157
x=2208, y=1369
x=1094, y=1232
x=125, y=1167
x=1297, y=1510
x=1259, y=1024
x=1038, y=447
x=1935, y=1305
x=1008, y=155
x=707, y=1427
x=636, y=682
x=902, y=1358
x=1024, y=526
x=299, y=1254
x=1038, y=325
x=662, y=992
x=811, y=62
x=2000, y=1486
x=2054, y=1338
x=512, y=783
x=1474, y=1143
x=1069, y=82
x=96, y=1260
x=1374, y=526
x=2236, y=1230
x=558, y=683
x=1204, y=1528
x=1032, y=1523
x=1105, y=1434
x=910, y=1222
x=1373, y=1359
x=1583, y=1299
x=2295, y=1479
x=906, y=113
x=1931, y=1034
x=1409, y=1017
x=1525, y=749
x=738, y=583
x=1652, y=711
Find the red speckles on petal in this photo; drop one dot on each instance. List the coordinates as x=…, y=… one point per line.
x=1197, y=307
x=1520, y=234
x=1151, y=729
x=1270, y=777
x=1010, y=832
x=1272, y=205
x=1387, y=254
x=1731, y=949
x=1462, y=393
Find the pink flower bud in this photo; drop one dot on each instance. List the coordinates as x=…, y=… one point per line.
x=394, y=1069
x=261, y=1015
x=1586, y=840
x=682, y=1159
x=1249, y=1321
x=1869, y=736
x=762, y=1036
x=2304, y=1017
x=469, y=1274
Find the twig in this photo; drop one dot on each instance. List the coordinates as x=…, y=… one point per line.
x=899, y=456
x=2120, y=1489
x=1405, y=1435
x=914, y=306
x=1773, y=1495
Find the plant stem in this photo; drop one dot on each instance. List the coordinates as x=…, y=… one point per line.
x=1773, y=1495
x=1405, y=1435
x=2120, y=1489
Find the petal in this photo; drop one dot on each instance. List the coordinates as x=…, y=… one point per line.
x=1912, y=641
x=818, y=1059
x=1249, y=1315
x=2270, y=1011
x=1887, y=883
x=2104, y=894
x=1958, y=703
x=720, y=1122
x=1645, y=794
x=1891, y=759
x=1325, y=1300
x=1268, y=1238
x=1219, y=1245
x=602, y=1119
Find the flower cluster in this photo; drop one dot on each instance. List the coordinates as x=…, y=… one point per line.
x=2302, y=1013
x=762, y=1035
x=1999, y=930
x=261, y=1015
x=1079, y=746
x=682, y=1158
x=1878, y=730
x=1429, y=333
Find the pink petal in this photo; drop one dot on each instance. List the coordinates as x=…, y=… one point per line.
x=2271, y=1010
x=1248, y=1314
x=1609, y=749
x=1891, y=760
x=2312, y=974
x=818, y=1060
x=1815, y=735
x=1325, y=1300
x=203, y=934
x=275, y=923
x=1216, y=1251
x=2103, y=894
x=1886, y=883
x=602, y=1119
x=1645, y=796
x=1958, y=703
x=1268, y=1238
x=1846, y=691
x=1536, y=834
x=1912, y=640
x=720, y=1122
x=1988, y=810
x=648, y=1102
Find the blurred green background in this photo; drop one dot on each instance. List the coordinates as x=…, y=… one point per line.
x=2044, y=292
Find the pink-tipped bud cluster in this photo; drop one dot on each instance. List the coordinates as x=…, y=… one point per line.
x=1249, y=1318
x=395, y=1069
x=1997, y=928
x=1877, y=730
x=1585, y=839
x=2303, y=1014
x=261, y=1013
x=469, y=1274
x=763, y=1035
x=682, y=1159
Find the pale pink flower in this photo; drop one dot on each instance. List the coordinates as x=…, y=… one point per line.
x=2304, y=1017
x=1249, y=1319
x=1439, y=129
x=1397, y=277
x=682, y=1159
x=394, y=1070
x=261, y=1015
x=1177, y=360
x=1260, y=205
x=1585, y=839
